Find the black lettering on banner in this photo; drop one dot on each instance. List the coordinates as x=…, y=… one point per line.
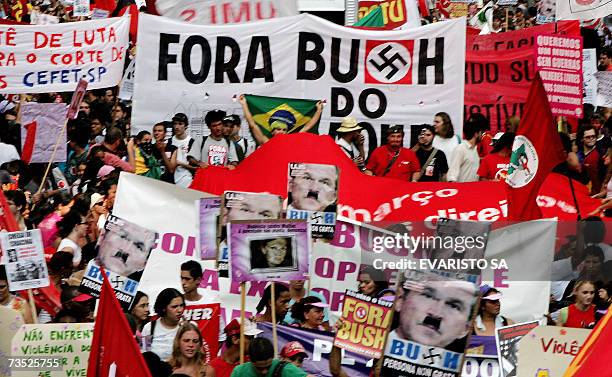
x=477, y=73
x=372, y=137
x=265, y=72
x=521, y=71
x=221, y=66
x=164, y=57
x=348, y=108
x=313, y=55
x=353, y=62
x=202, y=74
x=437, y=61
x=382, y=103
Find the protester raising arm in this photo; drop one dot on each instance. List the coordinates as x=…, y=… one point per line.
x=315, y=118
x=259, y=137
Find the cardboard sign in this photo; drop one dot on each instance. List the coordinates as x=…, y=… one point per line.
x=559, y=60
x=209, y=209
x=24, y=259
x=507, y=339
x=77, y=97
x=366, y=322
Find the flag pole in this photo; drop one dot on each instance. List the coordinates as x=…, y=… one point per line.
x=59, y=139
x=32, y=306
x=571, y=183
x=242, y=305
x=273, y=307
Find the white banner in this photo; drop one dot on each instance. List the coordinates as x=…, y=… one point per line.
x=47, y=119
x=225, y=11
x=589, y=68
x=383, y=78
x=604, y=88
x=525, y=286
x=582, y=9
x=321, y=5
x=53, y=58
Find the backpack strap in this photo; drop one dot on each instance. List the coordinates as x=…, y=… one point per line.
x=153, y=323
x=240, y=152
x=431, y=157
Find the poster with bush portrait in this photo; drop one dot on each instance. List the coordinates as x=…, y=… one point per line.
x=24, y=260
x=312, y=194
x=434, y=312
x=237, y=205
x=209, y=209
x=269, y=249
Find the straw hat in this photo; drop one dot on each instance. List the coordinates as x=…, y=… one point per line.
x=349, y=124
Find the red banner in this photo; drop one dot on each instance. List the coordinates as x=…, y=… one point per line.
x=206, y=316
x=367, y=198
x=496, y=85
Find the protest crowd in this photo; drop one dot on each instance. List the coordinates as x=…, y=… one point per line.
x=78, y=188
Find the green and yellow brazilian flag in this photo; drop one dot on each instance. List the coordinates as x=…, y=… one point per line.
x=262, y=108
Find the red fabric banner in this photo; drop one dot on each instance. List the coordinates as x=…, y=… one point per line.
x=496, y=85
x=206, y=316
x=367, y=198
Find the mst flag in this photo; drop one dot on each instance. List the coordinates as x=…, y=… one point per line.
x=267, y=110
x=536, y=150
x=373, y=19
x=113, y=347
x=589, y=361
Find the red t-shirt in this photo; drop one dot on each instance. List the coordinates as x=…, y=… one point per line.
x=580, y=319
x=494, y=166
x=222, y=368
x=484, y=147
x=403, y=167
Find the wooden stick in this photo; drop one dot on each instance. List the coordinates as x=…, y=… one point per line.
x=32, y=306
x=242, y=305
x=273, y=307
x=507, y=20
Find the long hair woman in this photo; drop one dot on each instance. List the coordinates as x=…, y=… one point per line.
x=445, y=139
x=580, y=314
x=187, y=356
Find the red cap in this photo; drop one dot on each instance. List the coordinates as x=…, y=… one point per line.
x=292, y=349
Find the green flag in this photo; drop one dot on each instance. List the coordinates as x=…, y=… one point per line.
x=292, y=111
x=373, y=19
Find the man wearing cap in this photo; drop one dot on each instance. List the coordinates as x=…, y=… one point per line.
x=350, y=140
x=293, y=352
x=432, y=160
x=223, y=365
x=494, y=166
x=281, y=122
x=263, y=363
x=214, y=149
x=231, y=130
x=392, y=160
x=183, y=143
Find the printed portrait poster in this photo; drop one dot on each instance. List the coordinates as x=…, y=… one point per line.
x=365, y=324
x=507, y=339
x=549, y=348
x=458, y=240
x=312, y=193
x=24, y=260
x=237, y=205
x=209, y=209
x=123, y=251
x=269, y=249
x=434, y=312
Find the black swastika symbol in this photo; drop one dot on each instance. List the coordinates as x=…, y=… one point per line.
x=117, y=282
x=388, y=62
x=432, y=356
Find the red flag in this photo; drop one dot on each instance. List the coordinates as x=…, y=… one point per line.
x=113, y=342
x=590, y=360
x=7, y=221
x=30, y=141
x=537, y=149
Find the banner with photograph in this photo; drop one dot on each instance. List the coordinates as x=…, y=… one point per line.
x=365, y=324
x=53, y=58
x=123, y=250
x=318, y=346
x=206, y=316
x=224, y=11
x=423, y=343
x=24, y=260
x=269, y=250
x=550, y=348
x=41, y=124
x=312, y=194
x=582, y=9
x=383, y=79
x=507, y=339
x=237, y=205
x=209, y=209
x=69, y=341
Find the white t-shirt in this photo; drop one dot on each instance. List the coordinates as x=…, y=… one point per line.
x=182, y=176
x=446, y=145
x=8, y=153
x=162, y=340
x=214, y=152
x=208, y=299
x=76, y=250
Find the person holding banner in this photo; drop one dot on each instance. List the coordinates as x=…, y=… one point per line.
x=224, y=364
x=580, y=314
x=263, y=363
x=280, y=122
x=187, y=357
x=281, y=300
x=393, y=160
x=351, y=140
x=308, y=313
